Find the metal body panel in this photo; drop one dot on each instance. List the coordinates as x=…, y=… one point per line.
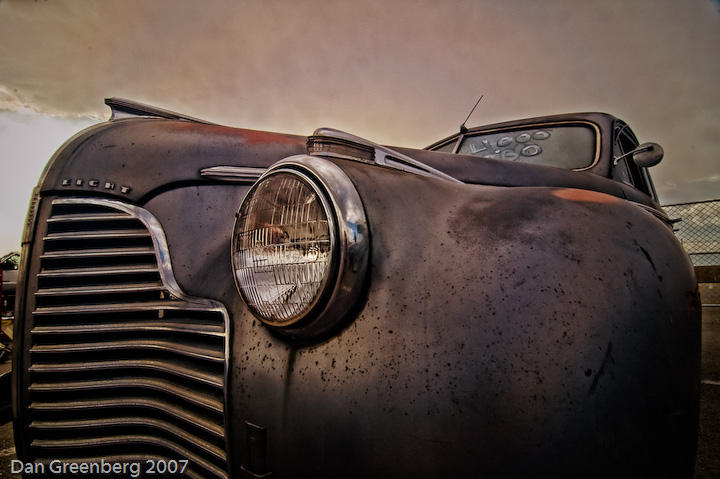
x=487, y=171
x=150, y=155
x=506, y=332
x=531, y=321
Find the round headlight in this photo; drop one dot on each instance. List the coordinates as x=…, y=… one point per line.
x=300, y=245
x=283, y=247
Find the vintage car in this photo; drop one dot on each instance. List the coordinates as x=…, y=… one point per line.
x=223, y=302
x=8, y=276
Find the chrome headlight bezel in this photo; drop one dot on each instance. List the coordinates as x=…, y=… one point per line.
x=350, y=244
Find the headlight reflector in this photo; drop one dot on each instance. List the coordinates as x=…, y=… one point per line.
x=284, y=247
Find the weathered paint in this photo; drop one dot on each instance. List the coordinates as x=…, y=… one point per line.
x=573, y=194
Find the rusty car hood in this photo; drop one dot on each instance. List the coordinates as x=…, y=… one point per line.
x=171, y=153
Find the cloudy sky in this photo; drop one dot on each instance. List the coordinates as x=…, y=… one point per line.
x=399, y=72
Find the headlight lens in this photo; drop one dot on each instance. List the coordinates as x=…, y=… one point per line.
x=284, y=247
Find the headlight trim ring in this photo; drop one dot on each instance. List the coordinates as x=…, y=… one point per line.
x=347, y=222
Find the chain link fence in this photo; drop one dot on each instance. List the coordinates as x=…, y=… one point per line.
x=699, y=233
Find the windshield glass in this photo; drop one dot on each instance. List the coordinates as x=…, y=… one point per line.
x=10, y=261
x=563, y=146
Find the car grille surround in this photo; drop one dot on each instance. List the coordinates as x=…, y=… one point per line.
x=120, y=364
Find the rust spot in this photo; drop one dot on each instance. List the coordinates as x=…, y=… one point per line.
x=574, y=194
x=249, y=137
x=256, y=137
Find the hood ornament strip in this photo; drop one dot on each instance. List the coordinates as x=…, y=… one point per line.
x=238, y=174
x=381, y=155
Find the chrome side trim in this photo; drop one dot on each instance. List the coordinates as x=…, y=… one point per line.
x=238, y=174
x=17, y=394
x=31, y=217
x=387, y=156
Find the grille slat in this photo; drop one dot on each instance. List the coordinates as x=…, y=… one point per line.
x=123, y=441
x=132, y=383
x=90, y=217
x=103, y=271
x=164, y=366
x=129, y=403
x=116, y=354
x=110, y=327
x=110, y=234
x=81, y=426
x=98, y=253
x=100, y=289
x=139, y=344
x=114, y=308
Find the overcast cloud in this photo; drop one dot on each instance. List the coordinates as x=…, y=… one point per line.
x=398, y=72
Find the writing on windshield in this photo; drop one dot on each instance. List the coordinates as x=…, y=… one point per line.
x=565, y=146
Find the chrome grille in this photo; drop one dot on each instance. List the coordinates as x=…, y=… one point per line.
x=121, y=360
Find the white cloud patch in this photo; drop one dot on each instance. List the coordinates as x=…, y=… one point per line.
x=11, y=102
x=709, y=179
x=28, y=141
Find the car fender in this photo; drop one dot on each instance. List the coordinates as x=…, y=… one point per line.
x=504, y=330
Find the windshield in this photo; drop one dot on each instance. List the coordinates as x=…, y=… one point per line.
x=564, y=146
x=10, y=261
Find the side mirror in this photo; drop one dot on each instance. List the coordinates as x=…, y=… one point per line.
x=647, y=155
